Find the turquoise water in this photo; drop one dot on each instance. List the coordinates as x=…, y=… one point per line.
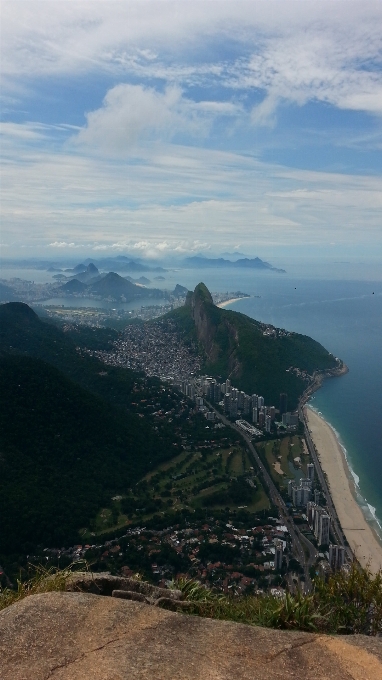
x=346, y=317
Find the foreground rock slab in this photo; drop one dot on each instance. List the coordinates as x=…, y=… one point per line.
x=78, y=636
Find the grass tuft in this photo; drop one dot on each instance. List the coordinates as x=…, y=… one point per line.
x=347, y=603
x=41, y=580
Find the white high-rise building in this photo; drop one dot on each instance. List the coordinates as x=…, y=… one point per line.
x=260, y=402
x=227, y=402
x=310, y=510
x=336, y=556
x=324, y=530
x=216, y=393
x=233, y=408
x=300, y=495
x=279, y=547
x=289, y=419
x=254, y=415
x=268, y=423
x=310, y=472
x=321, y=526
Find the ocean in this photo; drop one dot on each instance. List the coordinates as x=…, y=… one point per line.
x=340, y=305
x=345, y=316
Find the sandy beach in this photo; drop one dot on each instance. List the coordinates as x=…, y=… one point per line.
x=228, y=302
x=358, y=532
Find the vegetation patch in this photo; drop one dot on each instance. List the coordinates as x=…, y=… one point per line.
x=348, y=603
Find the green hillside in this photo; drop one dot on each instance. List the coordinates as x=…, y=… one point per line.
x=114, y=286
x=70, y=434
x=64, y=453
x=23, y=332
x=235, y=346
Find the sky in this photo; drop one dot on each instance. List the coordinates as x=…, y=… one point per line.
x=172, y=128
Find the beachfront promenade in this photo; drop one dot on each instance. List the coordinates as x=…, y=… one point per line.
x=335, y=524
x=347, y=517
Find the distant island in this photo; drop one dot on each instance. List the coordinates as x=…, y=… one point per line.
x=123, y=263
x=219, y=263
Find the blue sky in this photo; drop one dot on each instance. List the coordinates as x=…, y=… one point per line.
x=166, y=128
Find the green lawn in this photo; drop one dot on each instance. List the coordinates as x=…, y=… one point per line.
x=282, y=452
x=192, y=480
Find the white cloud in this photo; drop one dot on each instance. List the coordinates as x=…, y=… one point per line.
x=334, y=59
x=264, y=113
x=119, y=181
x=24, y=132
x=133, y=112
x=62, y=244
x=297, y=51
x=164, y=201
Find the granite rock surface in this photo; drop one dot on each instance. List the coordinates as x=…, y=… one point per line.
x=77, y=636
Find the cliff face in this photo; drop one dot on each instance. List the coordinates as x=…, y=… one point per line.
x=242, y=349
x=202, y=311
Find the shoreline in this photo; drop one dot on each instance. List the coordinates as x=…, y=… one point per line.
x=318, y=379
x=362, y=539
x=228, y=302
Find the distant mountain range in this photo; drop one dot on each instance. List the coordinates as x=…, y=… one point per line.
x=122, y=264
x=109, y=285
x=114, y=286
x=220, y=262
x=84, y=273
x=142, y=280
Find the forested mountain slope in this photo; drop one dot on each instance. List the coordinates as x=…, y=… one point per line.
x=256, y=359
x=69, y=439
x=23, y=332
x=63, y=453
